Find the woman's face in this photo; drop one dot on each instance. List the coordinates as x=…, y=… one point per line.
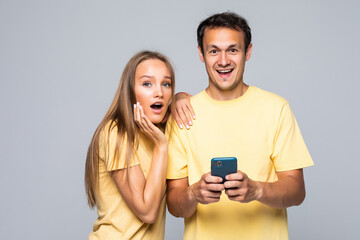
x=153, y=88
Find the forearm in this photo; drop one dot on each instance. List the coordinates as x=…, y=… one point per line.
x=181, y=201
x=142, y=195
x=155, y=184
x=286, y=192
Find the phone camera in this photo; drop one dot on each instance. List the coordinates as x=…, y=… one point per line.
x=217, y=163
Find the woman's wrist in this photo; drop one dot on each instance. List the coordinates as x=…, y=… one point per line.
x=161, y=146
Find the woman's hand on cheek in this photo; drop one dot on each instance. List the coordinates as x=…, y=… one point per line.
x=155, y=135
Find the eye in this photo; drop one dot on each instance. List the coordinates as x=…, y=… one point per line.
x=233, y=50
x=167, y=84
x=146, y=84
x=213, y=51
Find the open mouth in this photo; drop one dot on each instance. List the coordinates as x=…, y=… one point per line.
x=157, y=106
x=225, y=73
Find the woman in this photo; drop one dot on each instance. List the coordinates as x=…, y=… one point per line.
x=125, y=173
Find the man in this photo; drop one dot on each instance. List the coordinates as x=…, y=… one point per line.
x=235, y=120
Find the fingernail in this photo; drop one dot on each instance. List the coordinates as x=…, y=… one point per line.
x=190, y=122
x=138, y=103
x=194, y=117
x=134, y=106
x=181, y=126
x=187, y=126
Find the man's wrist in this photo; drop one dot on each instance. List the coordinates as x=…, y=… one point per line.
x=259, y=192
x=191, y=194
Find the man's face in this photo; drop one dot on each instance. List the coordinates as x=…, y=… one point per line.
x=224, y=57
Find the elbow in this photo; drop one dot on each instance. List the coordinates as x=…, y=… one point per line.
x=149, y=218
x=174, y=212
x=300, y=199
x=178, y=212
x=295, y=199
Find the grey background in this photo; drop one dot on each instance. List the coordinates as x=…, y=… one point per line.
x=60, y=63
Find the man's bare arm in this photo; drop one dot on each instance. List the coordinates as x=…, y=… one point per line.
x=288, y=191
x=182, y=199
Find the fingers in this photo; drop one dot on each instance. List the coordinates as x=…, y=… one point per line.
x=236, y=180
x=146, y=121
x=210, y=197
x=152, y=132
x=140, y=118
x=137, y=114
x=235, y=184
x=208, y=178
x=191, y=110
x=185, y=117
x=240, y=187
x=182, y=117
x=208, y=189
x=239, y=176
x=212, y=183
x=204, y=195
x=236, y=190
x=182, y=110
x=239, y=198
x=177, y=118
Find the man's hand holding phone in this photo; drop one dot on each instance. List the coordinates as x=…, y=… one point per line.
x=225, y=176
x=207, y=189
x=239, y=187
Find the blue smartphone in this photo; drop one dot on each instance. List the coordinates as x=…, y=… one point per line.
x=222, y=166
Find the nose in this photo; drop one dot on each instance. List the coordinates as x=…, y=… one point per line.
x=158, y=93
x=223, y=60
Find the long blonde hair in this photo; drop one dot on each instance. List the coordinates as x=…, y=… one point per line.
x=120, y=115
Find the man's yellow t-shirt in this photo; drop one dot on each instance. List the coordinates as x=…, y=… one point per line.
x=260, y=130
x=116, y=220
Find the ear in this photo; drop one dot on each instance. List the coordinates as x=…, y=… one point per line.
x=248, y=52
x=201, y=54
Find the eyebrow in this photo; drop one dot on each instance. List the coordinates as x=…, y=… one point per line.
x=211, y=46
x=214, y=46
x=146, y=76
x=149, y=76
x=234, y=45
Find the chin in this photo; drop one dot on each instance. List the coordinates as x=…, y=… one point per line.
x=156, y=120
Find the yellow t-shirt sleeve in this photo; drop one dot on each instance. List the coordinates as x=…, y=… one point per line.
x=290, y=151
x=107, y=149
x=177, y=157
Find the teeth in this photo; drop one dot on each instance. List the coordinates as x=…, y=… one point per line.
x=224, y=71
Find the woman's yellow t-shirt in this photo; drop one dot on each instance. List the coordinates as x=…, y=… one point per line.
x=116, y=220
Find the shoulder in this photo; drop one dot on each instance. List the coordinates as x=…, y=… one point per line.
x=199, y=99
x=267, y=98
x=110, y=136
x=109, y=130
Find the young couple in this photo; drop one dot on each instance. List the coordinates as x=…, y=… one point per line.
x=127, y=161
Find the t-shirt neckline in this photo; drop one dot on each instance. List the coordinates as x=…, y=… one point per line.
x=235, y=100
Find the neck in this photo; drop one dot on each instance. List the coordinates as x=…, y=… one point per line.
x=226, y=95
